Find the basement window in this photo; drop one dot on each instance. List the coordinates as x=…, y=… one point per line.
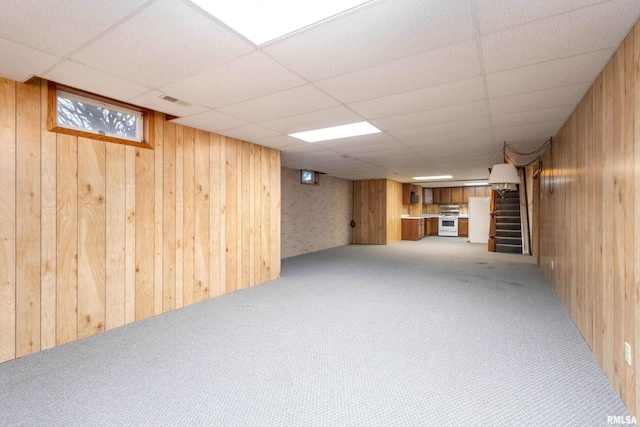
x=83, y=114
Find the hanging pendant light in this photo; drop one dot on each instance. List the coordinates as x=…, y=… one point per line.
x=504, y=177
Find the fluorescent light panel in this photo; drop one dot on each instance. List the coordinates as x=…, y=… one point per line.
x=336, y=132
x=425, y=178
x=476, y=184
x=264, y=20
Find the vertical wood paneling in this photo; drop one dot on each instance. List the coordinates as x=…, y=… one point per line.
x=144, y=233
x=179, y=212
x=108, y=234
x=588, y=225
x=189, y=215
x=158, y=184
x=252, y=215
x=169, y=219
x=28, y=220
x=202, y=219
x=91, y=237
x=265, y=238
x=48, y=239
x=257, y=215
x=130, y=236
x=116, y=241
x=636, y=215
x=628, y=139
x=246, y=224
x=221, y=265
x=232, y=216
x=607, y=212
x=618, y=209
x=276, y=214
x=7, y=220
x=214, y=216
x=67, y=239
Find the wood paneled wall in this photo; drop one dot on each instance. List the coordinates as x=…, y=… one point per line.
x=96, y=235
x=377, y=206
x=589, y=225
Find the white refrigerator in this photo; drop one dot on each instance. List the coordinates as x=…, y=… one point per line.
x=479, y=219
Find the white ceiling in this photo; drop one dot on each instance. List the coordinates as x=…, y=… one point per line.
x=446, y=81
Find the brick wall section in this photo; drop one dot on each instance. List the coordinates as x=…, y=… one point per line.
x=315, y=217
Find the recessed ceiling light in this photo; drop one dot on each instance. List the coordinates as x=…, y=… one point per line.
x=336, y=132
x=479, y=183
x=264, y=20
x=424, y=178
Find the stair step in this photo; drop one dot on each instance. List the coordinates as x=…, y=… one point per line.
x=508, y=212
x=512, y=206
x=515, y=241
x=509, y=233
x=509, y=249
x=508, y=226
x=507, y=219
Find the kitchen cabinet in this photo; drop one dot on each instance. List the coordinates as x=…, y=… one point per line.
x=427, y=196
x=409, y=194
x=412, y=228
x=436, y=196
x=432, y=227
x=463, y=227
x=484, y=191
x=468, y=192
x=445, y=195
x=456, y=195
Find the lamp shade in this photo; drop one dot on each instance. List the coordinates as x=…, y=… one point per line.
x=504, y=173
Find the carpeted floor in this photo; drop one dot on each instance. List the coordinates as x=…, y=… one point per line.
x=437, y=332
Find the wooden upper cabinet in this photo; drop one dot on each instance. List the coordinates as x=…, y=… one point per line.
x=468, y=192
x=445, y=195
x=436, y=196
x=484, y=191
x=406, y=194
x=456, y=195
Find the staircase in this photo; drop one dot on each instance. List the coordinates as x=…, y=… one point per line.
x=508, y=229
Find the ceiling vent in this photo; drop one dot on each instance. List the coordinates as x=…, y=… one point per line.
x=174, y=100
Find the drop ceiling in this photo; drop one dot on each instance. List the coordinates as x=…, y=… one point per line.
x=446, y=81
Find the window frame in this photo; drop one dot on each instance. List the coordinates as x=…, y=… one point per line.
x=148, y=116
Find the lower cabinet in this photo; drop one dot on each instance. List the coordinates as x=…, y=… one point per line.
x=432, y=226
x=463, y=227
x=413, y=228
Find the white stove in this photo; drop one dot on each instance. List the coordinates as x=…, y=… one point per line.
x=448, y=225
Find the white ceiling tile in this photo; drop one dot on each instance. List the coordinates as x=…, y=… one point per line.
x=372, y=35
x=212, y=121
x=62, y=26
x=172, y=41
x=371, y=148
x=249, y=133
x=329, y=117
x=494, y=15
x=433, y=117
x=565, y=95
x=299, y=100
x=514, y=133
x=25, y=62
x=547, y=75
x=153, y=101
x=80, y=76
x=448, y=64
x=533, y=116
x=462, y=125
x=251, y=76
x=280, y=142
x=445, y=95
x=479, y=137
x=357, y=141
x=556, y=37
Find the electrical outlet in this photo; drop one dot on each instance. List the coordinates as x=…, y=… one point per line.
x=627, y=353
x=552, y=264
